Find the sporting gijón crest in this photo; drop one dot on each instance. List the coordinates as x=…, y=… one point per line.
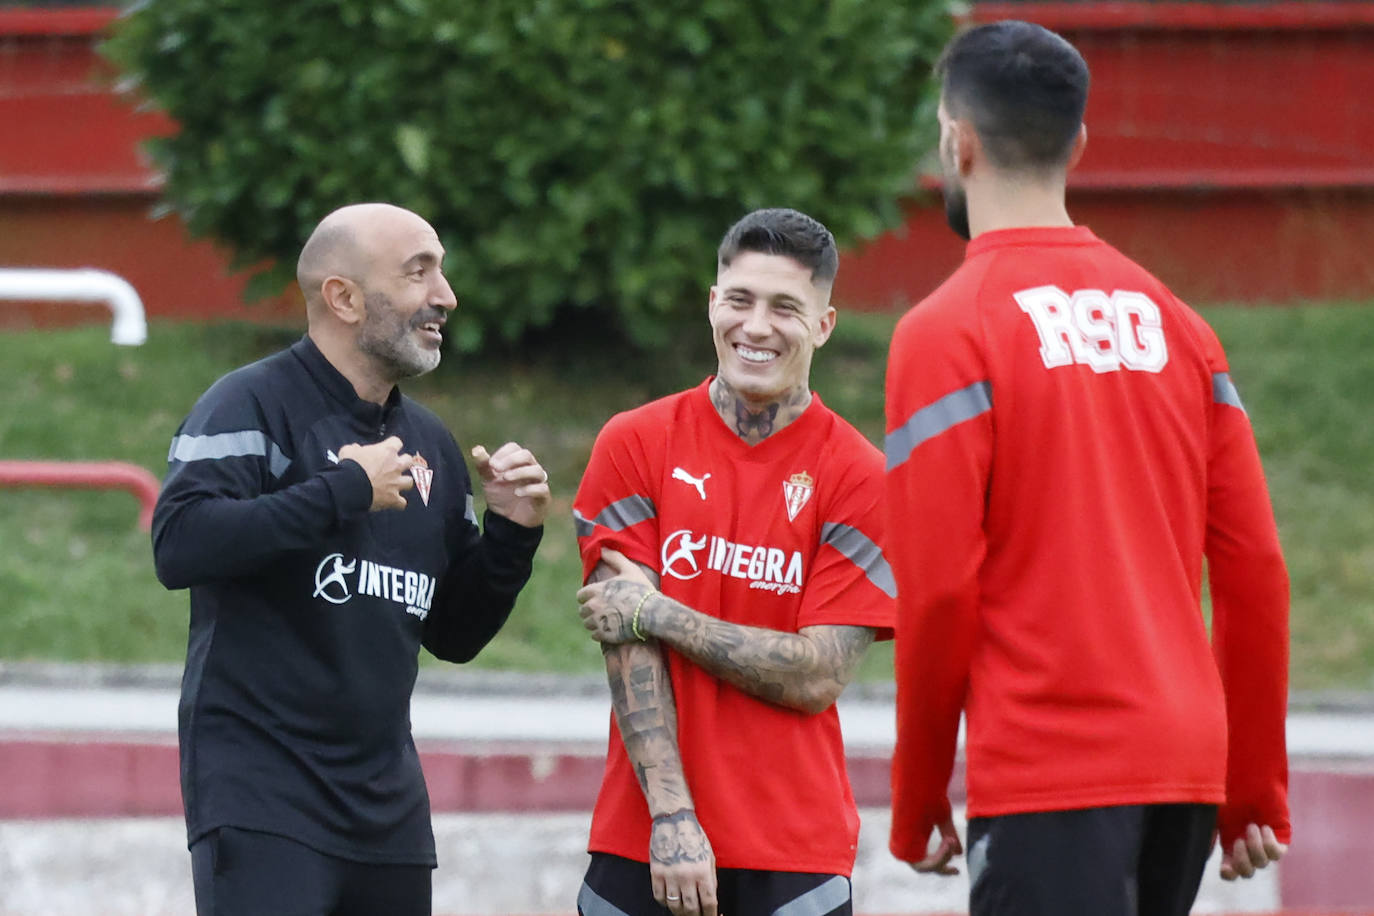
x=796, y=491
x=423, y=475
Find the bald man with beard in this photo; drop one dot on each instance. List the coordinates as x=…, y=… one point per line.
x=324, y=525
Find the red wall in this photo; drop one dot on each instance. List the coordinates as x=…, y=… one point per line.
x=76, y=190
x=1252, y=246
x=174, y=275
x=77, y=139
x=1228, y=150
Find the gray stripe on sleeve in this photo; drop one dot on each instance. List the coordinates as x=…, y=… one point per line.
x=469, y=512
x=935, y=418
x=818, y=901
x=582, y=526
x=250, y=443
x=1224, y=391
x=279, y=462
x=863, y=553
x=618, y=516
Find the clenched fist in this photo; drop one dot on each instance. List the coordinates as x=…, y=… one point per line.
x=387, y=469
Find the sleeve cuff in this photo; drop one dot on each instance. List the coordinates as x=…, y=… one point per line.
x=351, y=489
x=509, y=534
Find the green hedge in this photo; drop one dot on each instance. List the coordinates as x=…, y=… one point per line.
x=572, y=153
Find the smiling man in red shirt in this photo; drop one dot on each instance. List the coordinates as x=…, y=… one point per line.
x=753, y=511
x=1064, y=447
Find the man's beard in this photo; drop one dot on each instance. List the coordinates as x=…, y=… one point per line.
x=956, y=209
x=389, y=338
x=956, y=200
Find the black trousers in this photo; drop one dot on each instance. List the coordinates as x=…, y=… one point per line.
x=1129, y=860
x=248, y=873
x=615, y=886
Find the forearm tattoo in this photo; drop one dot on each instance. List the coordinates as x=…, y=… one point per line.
x=804, y=671
x=642, y=697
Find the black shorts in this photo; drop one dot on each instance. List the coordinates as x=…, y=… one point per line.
x=620, y=887
x=248, y=873
x=1129, y=860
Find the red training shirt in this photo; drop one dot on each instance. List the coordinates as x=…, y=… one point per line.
x=1064, y=444
x=782, y=534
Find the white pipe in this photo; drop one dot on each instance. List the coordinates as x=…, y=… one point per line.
x=130, y=327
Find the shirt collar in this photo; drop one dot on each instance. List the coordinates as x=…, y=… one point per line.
x=339, y=388
x=1030, y=236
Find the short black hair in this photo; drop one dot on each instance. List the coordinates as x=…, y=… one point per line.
x=1023, y=87
x=786, y=232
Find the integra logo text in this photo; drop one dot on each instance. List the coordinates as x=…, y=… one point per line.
x=336, y=583
x=766, y=568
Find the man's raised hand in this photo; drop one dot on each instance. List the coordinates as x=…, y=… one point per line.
x=514, y=484
x=387, y=469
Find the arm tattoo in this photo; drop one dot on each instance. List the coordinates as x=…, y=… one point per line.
x=601, y=573
x=642, y=697
x=804, y=671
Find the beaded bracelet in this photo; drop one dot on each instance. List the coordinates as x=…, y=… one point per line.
x=634, y=621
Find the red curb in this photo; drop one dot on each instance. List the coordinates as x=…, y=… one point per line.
x=1325, y=873
x=1328, y=865
x=514, y=781
x=44, y=777
x=41, y=778
x=98, y=776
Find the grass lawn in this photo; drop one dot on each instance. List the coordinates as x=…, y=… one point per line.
x=77, y=578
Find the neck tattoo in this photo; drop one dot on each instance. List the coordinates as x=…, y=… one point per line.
x=754, y=423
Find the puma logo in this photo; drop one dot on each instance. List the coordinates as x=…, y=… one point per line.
x=698, y=482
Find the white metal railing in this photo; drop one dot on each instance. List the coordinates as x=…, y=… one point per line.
x=86, y=284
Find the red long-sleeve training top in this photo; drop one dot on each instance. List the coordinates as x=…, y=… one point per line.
x=1064, y=446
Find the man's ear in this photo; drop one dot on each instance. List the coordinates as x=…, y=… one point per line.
x=343, y=299
x=968, y=148
x=1079, y=143
x=825, y=326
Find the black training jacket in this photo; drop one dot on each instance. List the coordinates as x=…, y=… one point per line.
x=308, y=611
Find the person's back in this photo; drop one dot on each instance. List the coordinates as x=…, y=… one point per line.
x=1092, y=681
x=1064, y=446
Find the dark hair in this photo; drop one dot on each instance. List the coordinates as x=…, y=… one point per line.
x=1024, y=88
x=785, y=232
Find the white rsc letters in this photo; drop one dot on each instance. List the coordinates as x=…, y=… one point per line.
x=1142, y=340
x=1089, y=327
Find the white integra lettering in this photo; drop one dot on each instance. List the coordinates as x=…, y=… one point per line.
x=759, y=564
x=739, y=569
x=403, y=586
